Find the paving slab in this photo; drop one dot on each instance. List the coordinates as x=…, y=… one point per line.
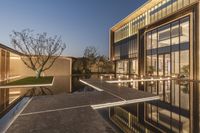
x=125, y=93
x=51, y=102
x=74, y=113
x=79, y=120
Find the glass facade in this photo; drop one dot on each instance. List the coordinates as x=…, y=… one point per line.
x=127, y=48
x=168, y=50
x=126, y=54
x=153, y=14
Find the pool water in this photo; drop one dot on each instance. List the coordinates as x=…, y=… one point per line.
x=172, y=113
x=62, y=84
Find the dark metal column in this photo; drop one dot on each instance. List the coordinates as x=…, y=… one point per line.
x=141, y=42
x=195, y=95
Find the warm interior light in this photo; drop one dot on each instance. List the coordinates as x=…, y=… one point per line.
x=101, y=77
x=14, y=58
x=14, y=92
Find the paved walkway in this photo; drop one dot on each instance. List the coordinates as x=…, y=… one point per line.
x=75, y=113
x=64, y=113
x=125, y=95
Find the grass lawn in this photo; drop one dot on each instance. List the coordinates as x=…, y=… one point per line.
x=32, y=81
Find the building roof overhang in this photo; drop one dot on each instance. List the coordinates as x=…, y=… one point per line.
x=142, y=9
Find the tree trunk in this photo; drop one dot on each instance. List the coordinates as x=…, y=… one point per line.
x=38, y=73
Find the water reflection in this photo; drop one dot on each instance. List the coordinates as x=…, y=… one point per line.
x=172, y=113
x=9, y=96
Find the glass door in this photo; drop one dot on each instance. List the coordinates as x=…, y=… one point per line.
x=164, y=67
x=160, y=65
x=167, y=63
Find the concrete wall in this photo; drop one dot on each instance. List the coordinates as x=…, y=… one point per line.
x=61, y=67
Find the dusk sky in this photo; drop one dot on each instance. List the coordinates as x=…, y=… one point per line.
x=81, y=23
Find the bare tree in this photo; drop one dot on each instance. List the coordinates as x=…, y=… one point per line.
x=89, y=57
x=39, y=51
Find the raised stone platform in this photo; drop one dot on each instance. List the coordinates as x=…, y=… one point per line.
x=75, y=113
x=125, y=95
x=63, y=113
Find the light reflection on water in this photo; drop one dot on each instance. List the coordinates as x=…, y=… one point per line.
x=172, y=113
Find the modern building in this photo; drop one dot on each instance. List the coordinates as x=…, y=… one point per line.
x=160, y=39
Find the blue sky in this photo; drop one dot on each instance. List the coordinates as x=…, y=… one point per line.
x=81, y=23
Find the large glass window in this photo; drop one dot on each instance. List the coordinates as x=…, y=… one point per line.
x=154, y=39
x=175, y=33
x=168, y=54
x=134, y=67
x=125, y=49
x=149, y=40
x=184, y=32
x=122, y=67
x=164, y=36
x=168, y=49
x=154, y=64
